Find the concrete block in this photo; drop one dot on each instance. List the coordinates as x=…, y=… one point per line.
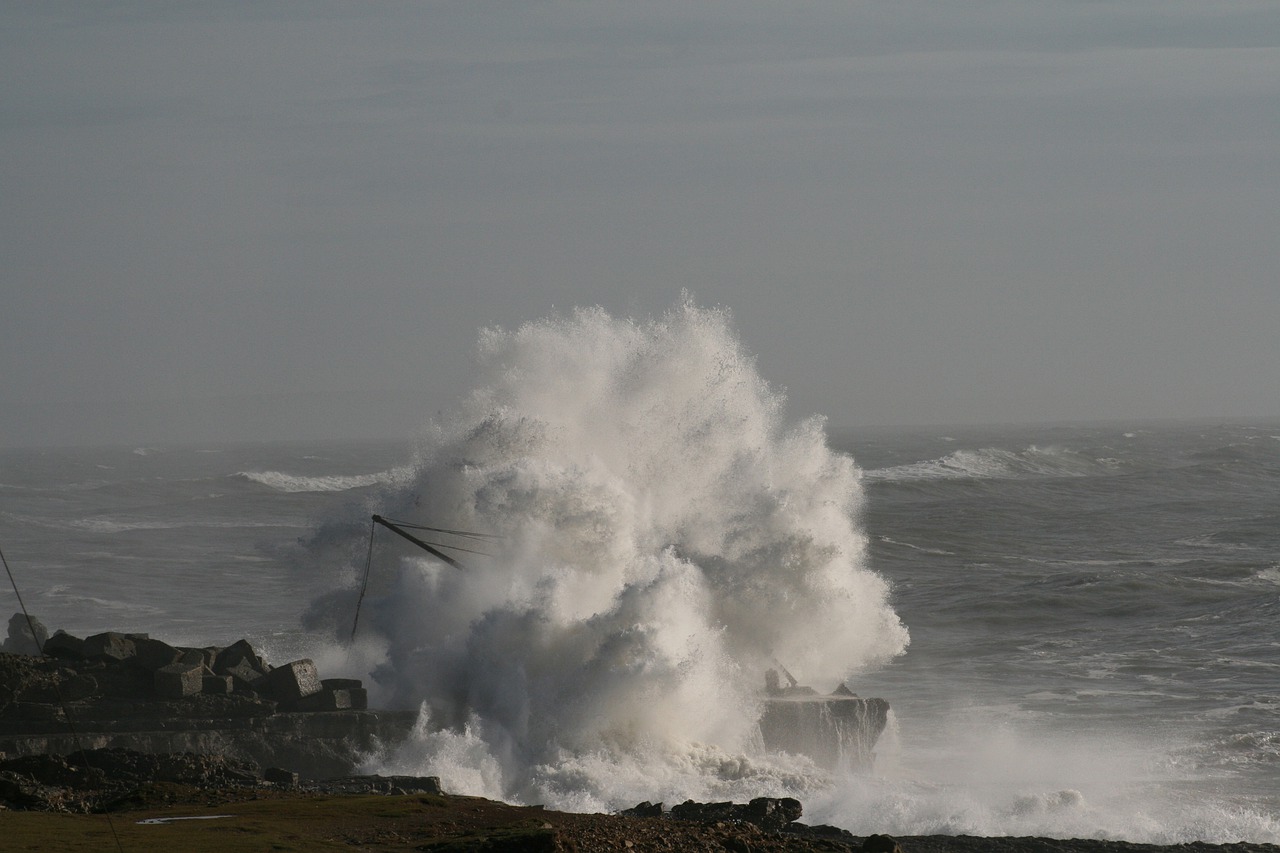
x=289, y=683
x=64, y=645
x=154, y=654
x=109, y=646
x=217, y=685
x=341, y=683
x=178, y=680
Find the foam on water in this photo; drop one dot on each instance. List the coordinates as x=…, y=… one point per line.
x=666, y=535
x=992, y=463
x=284, y=482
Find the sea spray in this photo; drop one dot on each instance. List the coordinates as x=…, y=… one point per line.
x=666, y=537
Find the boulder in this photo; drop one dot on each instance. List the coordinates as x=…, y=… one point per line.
x=243, y=676
x=328, y=699
x=178, y=680
x=201, y=656
x=281, y=777
x=341, y=683
x=881, y=844
x=64, y=645
x=216, y=685
x=109, y=645
x=238, y=652
x=288, y=683
x=154, y=654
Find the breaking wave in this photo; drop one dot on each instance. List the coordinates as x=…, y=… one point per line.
x=283, y=482
x=996, y=464
x=667, y=534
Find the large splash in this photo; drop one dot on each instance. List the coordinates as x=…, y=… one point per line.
x=667, y=535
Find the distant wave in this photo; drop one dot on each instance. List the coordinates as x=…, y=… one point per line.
x=993, y=463
x=109, y=525
x=283, y=482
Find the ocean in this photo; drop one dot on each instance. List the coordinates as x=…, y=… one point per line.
x=1077, y=626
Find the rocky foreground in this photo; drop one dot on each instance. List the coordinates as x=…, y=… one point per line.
x=201, y=803
x=262, y=763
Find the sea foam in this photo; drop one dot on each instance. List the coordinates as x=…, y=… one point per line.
x=667, y=536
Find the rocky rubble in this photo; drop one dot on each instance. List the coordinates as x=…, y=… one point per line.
x=115, y=779
x=112, y=676
x=134, y=691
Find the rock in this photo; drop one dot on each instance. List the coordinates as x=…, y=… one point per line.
x=288, y=683
x=203, y=657
x=341, y=683
x=645, y=809
x=151, y=654
x=63, y=645
x=236, y=653
x=178, y=680
x=880, y=844
x=109, y=646
x=22, y=640
x=216, y=685
x=772, y=813
x=325, y=700
x=279, y=776
x=243, y=675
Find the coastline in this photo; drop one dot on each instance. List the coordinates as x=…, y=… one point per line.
x=318, y=817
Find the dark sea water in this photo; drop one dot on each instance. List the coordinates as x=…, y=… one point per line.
x=1094, y=611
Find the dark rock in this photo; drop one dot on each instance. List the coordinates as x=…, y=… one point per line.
x=216, y=685
x=772, y=813
x=243, y=675
x=289, y=683
x=341, y=683
x=203, y=657
x=238, y=652
x=109, y=646
x=178, y=680
x=278, y=776
x=151, y=655
x=645, y=809
x=22, y=640
x=880, y=844
x=64, y=645
x=325, y=700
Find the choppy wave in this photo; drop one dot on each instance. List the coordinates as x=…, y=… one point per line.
x=993, y=463
x=282, y=482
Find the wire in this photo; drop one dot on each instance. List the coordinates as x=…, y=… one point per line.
x=368, y=564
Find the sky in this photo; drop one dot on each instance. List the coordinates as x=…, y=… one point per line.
x=286, y=220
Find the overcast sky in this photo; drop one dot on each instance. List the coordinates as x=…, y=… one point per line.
x=278, y=220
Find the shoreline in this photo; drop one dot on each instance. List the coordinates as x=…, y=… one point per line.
x=378, y=814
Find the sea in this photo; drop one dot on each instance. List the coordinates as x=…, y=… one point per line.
x=1077, y=626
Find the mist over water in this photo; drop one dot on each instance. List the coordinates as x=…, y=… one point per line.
x=667, y=534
